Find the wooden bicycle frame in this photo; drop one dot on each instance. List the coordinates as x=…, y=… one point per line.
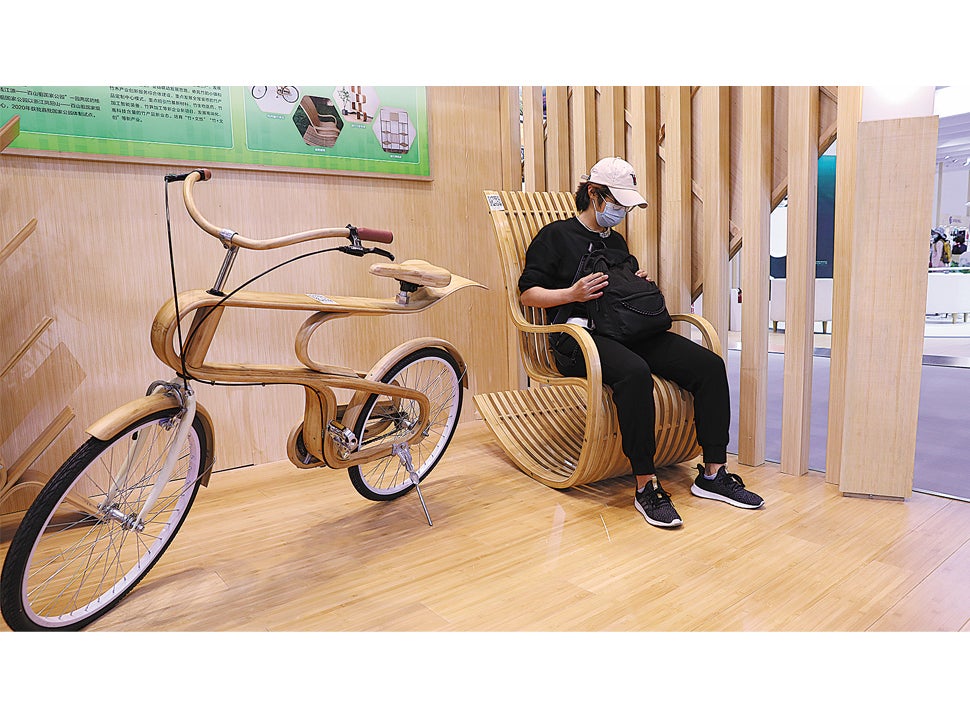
x=317, y=379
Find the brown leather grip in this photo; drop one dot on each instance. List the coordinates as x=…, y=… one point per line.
x=371, y=235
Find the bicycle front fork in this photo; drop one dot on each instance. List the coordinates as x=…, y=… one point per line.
x=403, y=453
x=185, y=419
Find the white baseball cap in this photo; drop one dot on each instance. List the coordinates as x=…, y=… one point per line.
x=618, y=175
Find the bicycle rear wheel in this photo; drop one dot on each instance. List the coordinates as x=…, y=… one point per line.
x=76, y=553
x=433, y=372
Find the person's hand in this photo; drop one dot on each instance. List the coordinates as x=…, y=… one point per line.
x=589, y=287
x=643, y=273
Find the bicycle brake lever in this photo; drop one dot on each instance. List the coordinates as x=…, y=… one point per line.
x=360, y=251
x=378, y=251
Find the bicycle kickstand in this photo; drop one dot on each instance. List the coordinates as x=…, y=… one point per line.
x=403, y=453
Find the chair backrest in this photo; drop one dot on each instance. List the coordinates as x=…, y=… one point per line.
x=517, y=217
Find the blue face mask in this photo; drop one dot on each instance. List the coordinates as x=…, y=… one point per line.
x=611, y=215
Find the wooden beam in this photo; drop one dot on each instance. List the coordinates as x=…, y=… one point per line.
x=800, y=273
x=26, y=345
x=533, y=134
x=557, y=139
x=642, y=225
x=756, y=158
x=584, y=130
x=9, y=132
x=716, y=161
x=24, y=233
x=843, y=247
x=613, y=121
x=37, y=447
x=674, y=276
x=511, y=138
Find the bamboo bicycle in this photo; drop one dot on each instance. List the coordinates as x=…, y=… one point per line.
x=110, y=511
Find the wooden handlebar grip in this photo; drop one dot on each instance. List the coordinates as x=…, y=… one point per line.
x=371, y=235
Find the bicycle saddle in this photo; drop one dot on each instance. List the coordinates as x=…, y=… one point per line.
x=416, y=272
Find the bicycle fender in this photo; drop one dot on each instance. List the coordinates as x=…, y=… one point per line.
x=118, y=419
x=406, y=348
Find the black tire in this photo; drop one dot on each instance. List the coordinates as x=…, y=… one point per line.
x=259, y=92
x=68, y=566
x=435, y=373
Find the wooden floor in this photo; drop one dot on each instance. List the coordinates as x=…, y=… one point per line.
x=277, y=549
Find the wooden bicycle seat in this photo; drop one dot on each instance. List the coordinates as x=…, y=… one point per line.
x=417, y=272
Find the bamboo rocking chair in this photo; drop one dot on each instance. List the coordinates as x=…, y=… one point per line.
x=562, y=431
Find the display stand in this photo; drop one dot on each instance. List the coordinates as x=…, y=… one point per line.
x=17, y=479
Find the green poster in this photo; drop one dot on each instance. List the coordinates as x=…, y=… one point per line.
x=344, y=128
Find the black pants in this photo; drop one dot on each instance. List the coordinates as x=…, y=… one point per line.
x=627, y=370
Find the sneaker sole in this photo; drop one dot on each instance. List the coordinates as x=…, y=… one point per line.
x=674, y=523
x=700, y=492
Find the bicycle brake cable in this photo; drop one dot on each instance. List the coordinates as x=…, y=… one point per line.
x=188, y=341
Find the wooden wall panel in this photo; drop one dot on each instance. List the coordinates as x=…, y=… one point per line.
x=881, y=384
x=102, y=242
x=583, y=120
x=800, y=286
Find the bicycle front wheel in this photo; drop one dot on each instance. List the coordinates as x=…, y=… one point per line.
x=79, y=550
x=435, y=373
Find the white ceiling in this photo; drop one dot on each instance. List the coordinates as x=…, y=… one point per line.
x=953, y=106
x=953, y=146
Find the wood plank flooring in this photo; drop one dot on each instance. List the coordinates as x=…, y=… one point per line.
x=273, y=548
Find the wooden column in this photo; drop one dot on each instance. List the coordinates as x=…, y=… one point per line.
x=716, y=148
x=884, y=338
x=756, y=149
x=642, y=225
x=584, y=130
x=557, y=139
x=511, y=138
x=675, y=241
x=613, y=121
x=843, y=245
x=800, y=273
x=534, y=136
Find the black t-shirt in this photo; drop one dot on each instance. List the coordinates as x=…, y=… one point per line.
x=553, y=257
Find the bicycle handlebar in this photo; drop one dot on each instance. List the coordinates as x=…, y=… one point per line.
x=231, y=237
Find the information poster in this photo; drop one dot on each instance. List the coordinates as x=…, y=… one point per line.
x=342, y=128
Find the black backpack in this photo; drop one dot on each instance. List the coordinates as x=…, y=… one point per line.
x=631, y=308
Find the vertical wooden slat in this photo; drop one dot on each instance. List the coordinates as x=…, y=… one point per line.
x=533, y=132
x=613, y=121
x=642, y=225
x=584, y=130
x=511, y=138
x=716, y=138
x=756, y=152
x=884, y=339
x=557, y=139
x=675, y=240
x=843, y=246
x=800, y=273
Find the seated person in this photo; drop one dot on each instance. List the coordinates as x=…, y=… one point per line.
x=603, y=199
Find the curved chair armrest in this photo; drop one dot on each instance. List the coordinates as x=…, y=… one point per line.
x=594, y=371
x=708, y=333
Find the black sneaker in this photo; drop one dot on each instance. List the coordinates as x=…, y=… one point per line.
x=726, y=487
x=655, y=506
